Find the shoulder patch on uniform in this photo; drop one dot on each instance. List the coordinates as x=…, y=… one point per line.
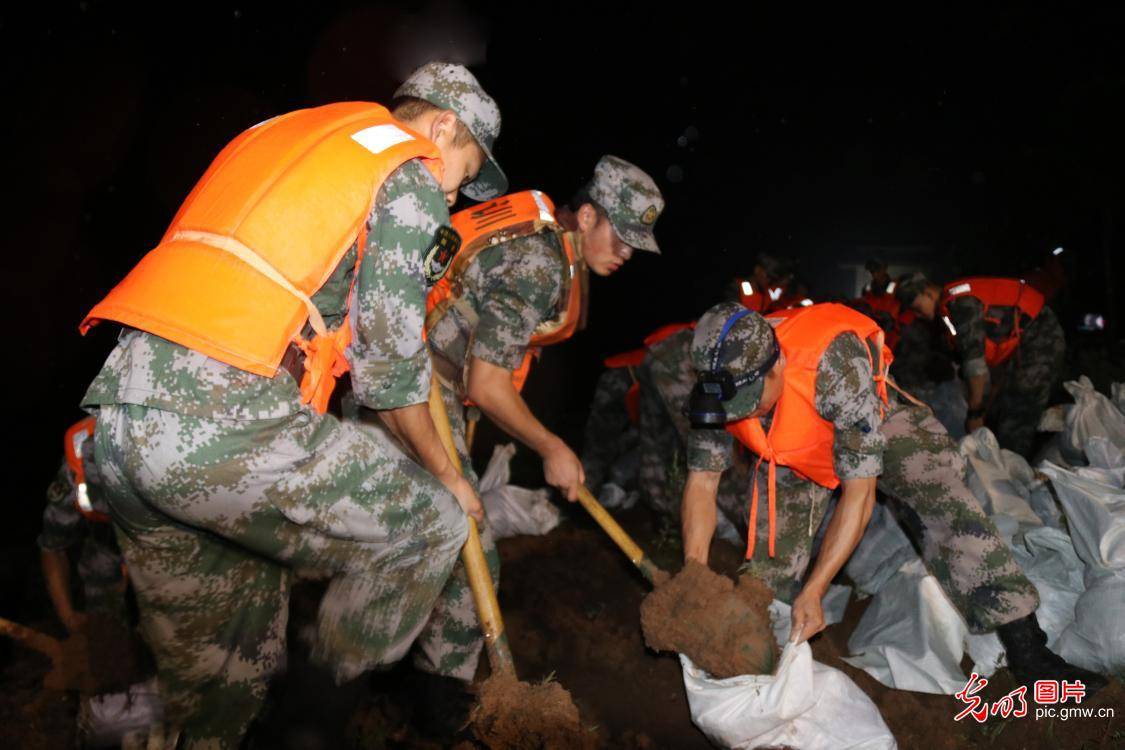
x=441, y=253
x=649, y=216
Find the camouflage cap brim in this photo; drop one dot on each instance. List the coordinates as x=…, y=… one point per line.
x=639, y=237
x=490, y=183
x=745, y=400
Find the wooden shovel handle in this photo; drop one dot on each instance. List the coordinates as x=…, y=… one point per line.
x=620, y=537
x=472, y=554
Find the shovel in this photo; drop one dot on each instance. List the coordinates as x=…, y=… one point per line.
x=472, y=554
x=652, y=573
x=70, y=660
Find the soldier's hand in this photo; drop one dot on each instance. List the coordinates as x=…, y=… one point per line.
x=808, y=616
x=468, y=498
x=563, y=470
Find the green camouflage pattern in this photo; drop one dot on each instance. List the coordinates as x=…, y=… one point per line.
x=1023, y=384
x=452, y=641
x=631, y=199
x=845, y=396
x=451, y=86
x=745, y=348
x=64, y=527
x=507, y=291
x=918, y=466
x=390, y=366
x=220, y=482
x=666, y=378
x=924, y=480
x=212, y=515
x=610, y=441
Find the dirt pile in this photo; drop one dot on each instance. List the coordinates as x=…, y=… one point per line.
x=723, y=628
x=514, y=715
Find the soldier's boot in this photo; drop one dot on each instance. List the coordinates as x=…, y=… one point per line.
x=1029, y=658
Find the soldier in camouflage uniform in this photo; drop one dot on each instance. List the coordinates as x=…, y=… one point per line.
x=1022, y=384
x=220, y=481
x=506, y=292
x=610, y=441
x=99, y=562
x=902, y=445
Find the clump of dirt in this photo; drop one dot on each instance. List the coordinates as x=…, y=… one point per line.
x=723, y=628
x=514, y=715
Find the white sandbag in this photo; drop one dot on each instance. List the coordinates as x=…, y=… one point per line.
x=804, y=704
x=1095, y=639
x=106, y=720
x=1047, y=557
x=883, y=549
x=513, y=510
x=1095, y=513
x=999, y=479
x=1107, y=463
x=613, y=496
x=1093, y=415
x=835, y=603
x=911, y=637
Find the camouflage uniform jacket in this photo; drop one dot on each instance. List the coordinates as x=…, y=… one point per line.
x=845, y=396
x=390, y=367
x=510, y=288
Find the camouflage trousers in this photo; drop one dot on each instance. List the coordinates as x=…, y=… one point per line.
x=1025, y=383
x=212, y=515
x=924, y=479
x=610, y=440
x=99, y=570
x=452, y=640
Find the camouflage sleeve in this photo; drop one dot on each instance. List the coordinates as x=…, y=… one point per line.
x=846, y=397
x=390, y=363
x=524, y=291
x=62, y=523
x=967, y=316
x=709, y=450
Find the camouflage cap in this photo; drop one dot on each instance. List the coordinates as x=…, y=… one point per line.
x=451, y=86
x=630, y=197
x=909, y=286
x=747, y=346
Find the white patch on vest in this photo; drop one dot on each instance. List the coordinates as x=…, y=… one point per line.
x=891, y=288
x=747, y=289
x=83, y=497
x=379, y=138
x=775, y=294
x=544, y=212
x=960, y=289
x=806, y=302
x=949, y=324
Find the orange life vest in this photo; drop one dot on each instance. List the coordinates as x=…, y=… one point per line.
x=758, y=300
x=634, y=358
x=501, y=220
x=996, y=292
x=798, y=436
x=884, y=302
x=261, y=232
x=78, y=434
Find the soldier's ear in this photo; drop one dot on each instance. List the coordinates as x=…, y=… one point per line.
x=587, y=217
x=443, y=128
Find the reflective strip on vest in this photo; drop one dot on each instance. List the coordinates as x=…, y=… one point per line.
x=949, y=324
x=960, y=289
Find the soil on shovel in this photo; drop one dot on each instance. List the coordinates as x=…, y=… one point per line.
x=723, y=628
x=514, y=715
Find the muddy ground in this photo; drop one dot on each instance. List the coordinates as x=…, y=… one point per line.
x=571, y=603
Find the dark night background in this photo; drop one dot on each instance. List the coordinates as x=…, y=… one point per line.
x=971, y=141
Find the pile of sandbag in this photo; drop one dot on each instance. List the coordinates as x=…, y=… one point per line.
x=1072, y=549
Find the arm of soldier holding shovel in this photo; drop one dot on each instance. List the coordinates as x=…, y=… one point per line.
x=490, y=387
